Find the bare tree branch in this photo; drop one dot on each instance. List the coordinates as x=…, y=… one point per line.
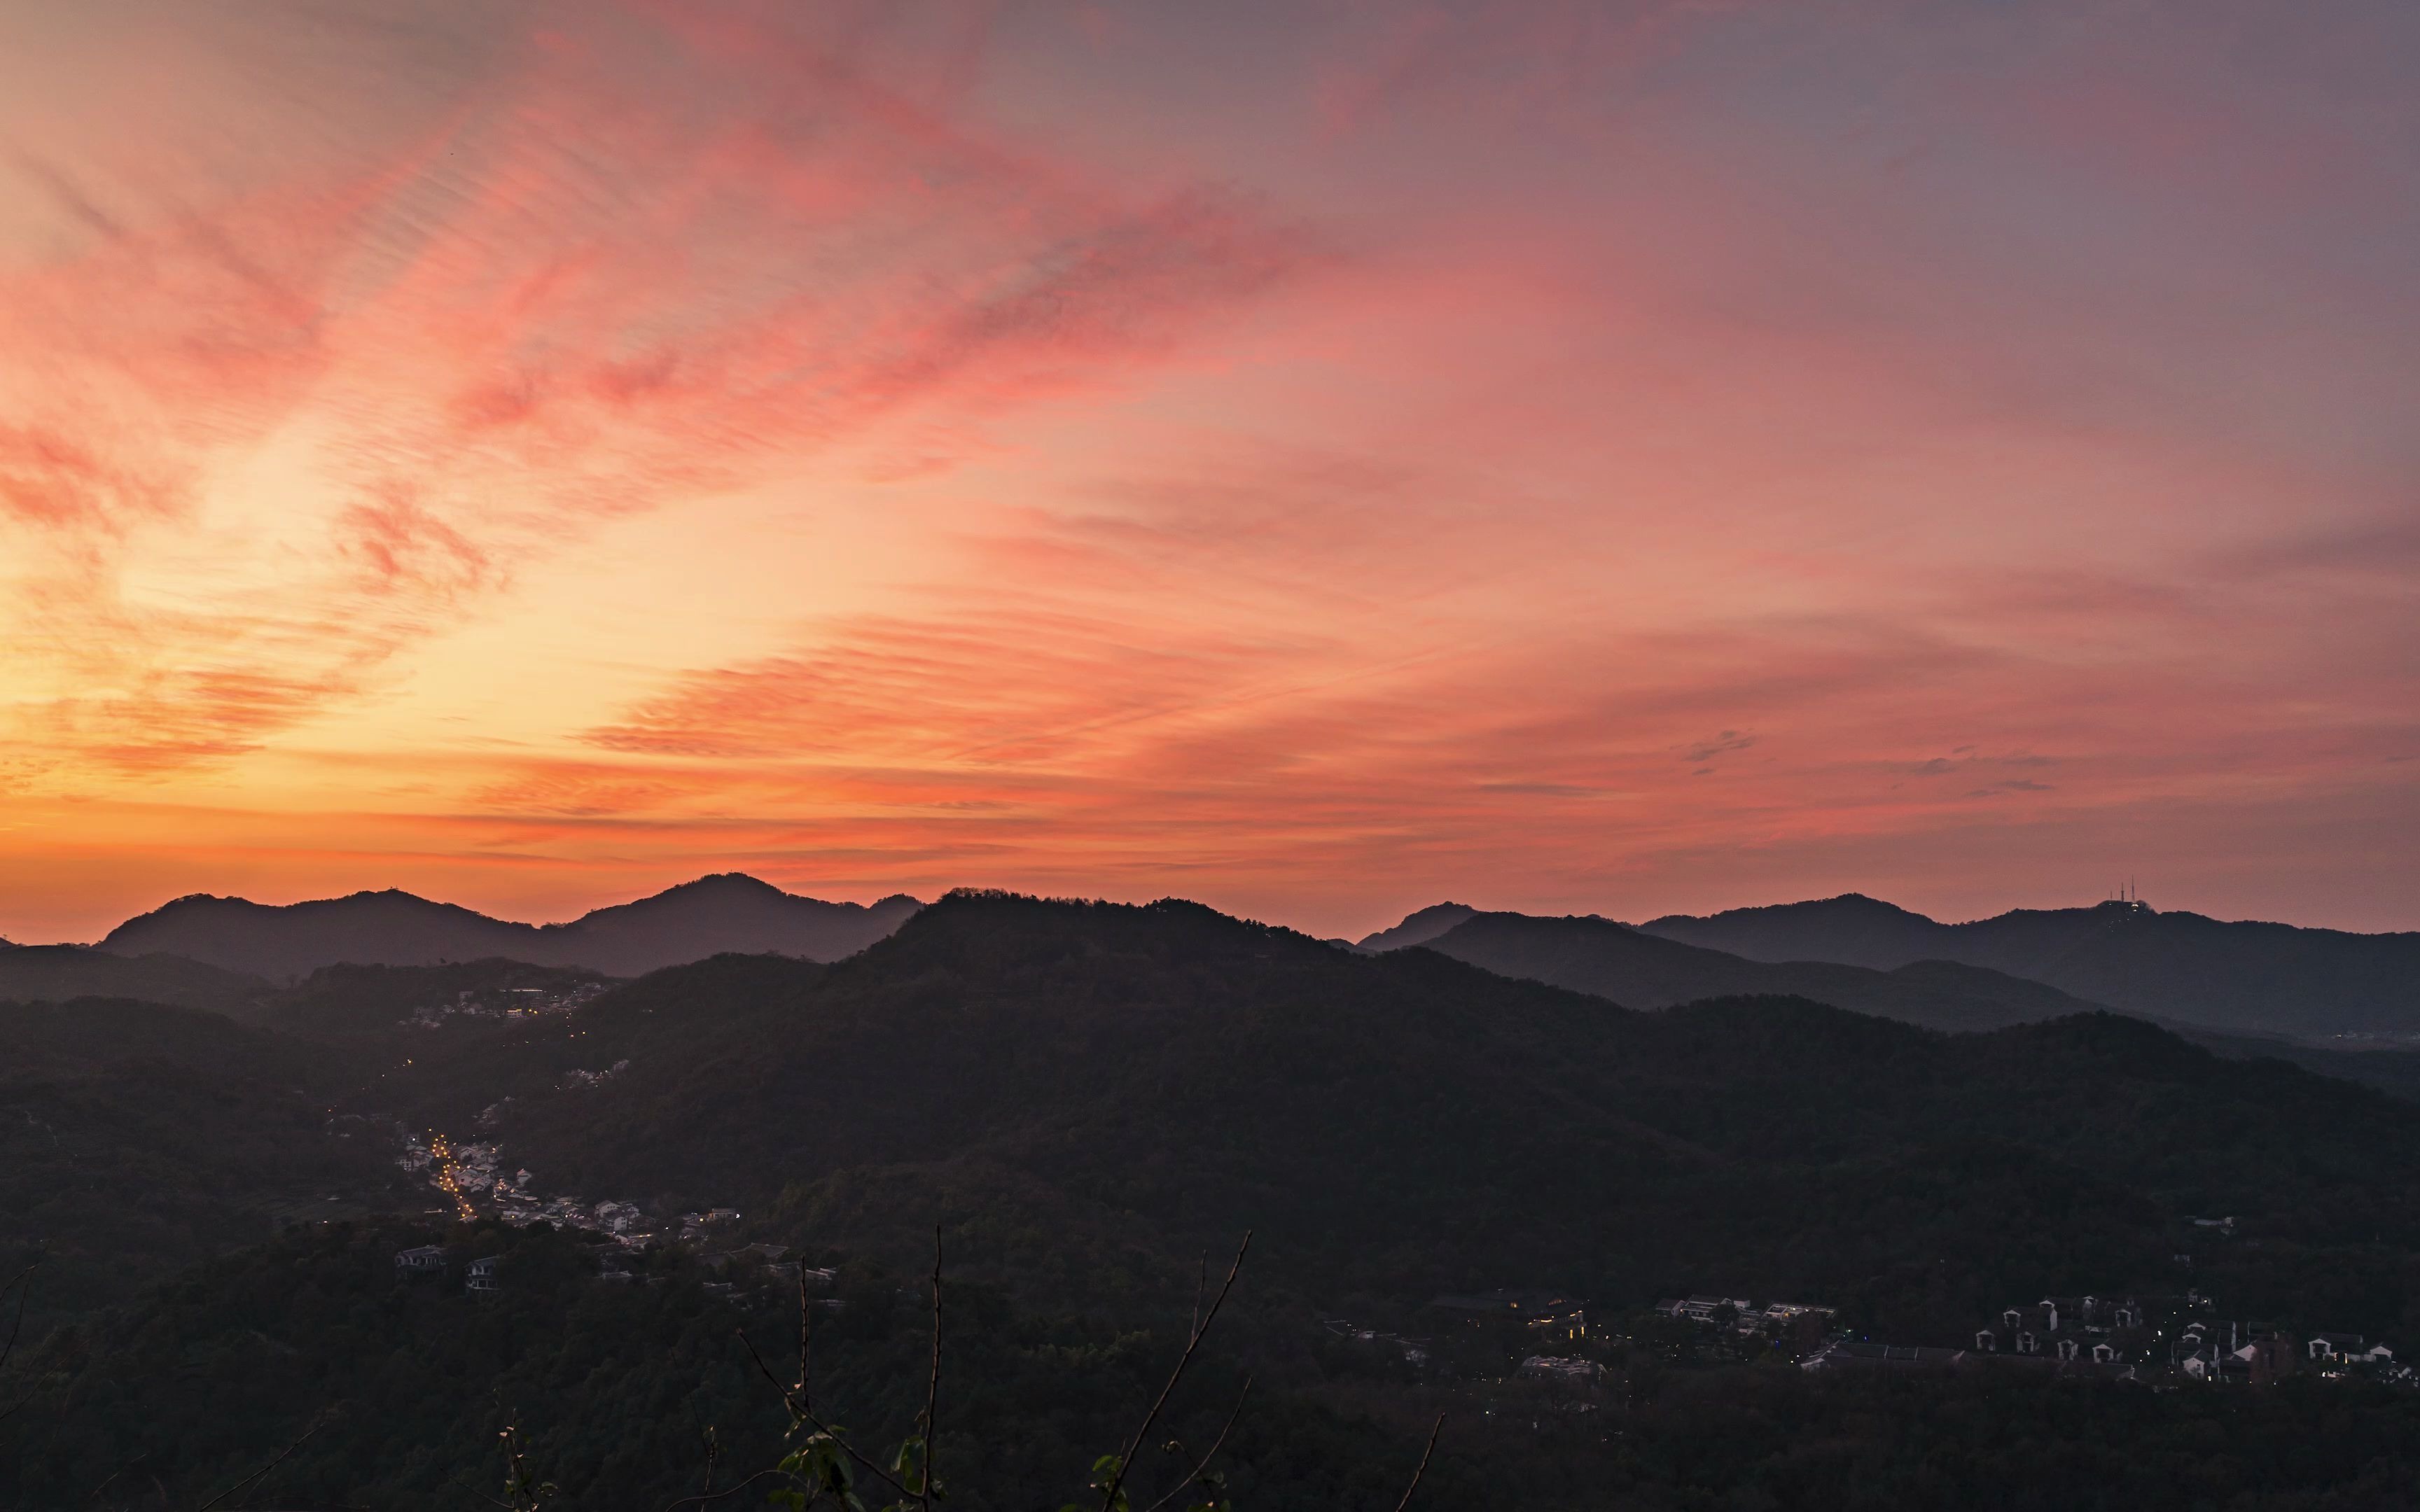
x=317, y=1424
x=24, y=1284
x=121, y=1470
x=806, y=1388
x=24, y=1279
x=818, y=1424
x=480, y=1494
x=1213, y=1453
x=701, y=1501
x=933, y=1386
x=1423, y=1467
x=1126, y=1462
x=789, y=1399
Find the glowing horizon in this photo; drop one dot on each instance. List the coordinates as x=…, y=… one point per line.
x=1625, y=459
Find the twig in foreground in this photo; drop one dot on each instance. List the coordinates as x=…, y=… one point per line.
x=317, y=1424
x=1423, y=1467
x=701, y=1501
x=818, y=1424
x=933, y=1386
x=806, y=1383
x=24, y=1279
x=1215, y=1446
x=1126, y=1462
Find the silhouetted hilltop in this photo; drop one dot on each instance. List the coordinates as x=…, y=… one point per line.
x=721, y=914
x=2243, y=977
x=1418, y=928
x=696, y=919
x=1852, y=929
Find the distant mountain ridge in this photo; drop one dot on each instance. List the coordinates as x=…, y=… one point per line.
x=728, y=912
x=2239, y=976
x=1626, y=966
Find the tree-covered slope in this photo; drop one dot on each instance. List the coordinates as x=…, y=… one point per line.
x=137, y=1139
x=58, y=973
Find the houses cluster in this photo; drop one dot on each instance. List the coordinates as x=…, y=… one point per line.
x=2104, y=1330
x=428, y=1260
x=575, y=1079
x=2220, y=1351
x=475, y=1173
x=1414, y=1350
x=2131, y=1335
x=693, y=1225
x=1544, y=1314
x=503, y=1003
x=1804, y=1322
x=1563, y=1369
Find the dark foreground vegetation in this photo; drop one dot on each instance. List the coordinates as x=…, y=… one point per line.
x=1089, y=1097
x=369, y=1392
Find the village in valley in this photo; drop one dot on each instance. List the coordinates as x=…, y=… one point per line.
x=1547, y=1340
x=506, y=1002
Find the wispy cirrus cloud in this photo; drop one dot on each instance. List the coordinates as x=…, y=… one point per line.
x=584, y=291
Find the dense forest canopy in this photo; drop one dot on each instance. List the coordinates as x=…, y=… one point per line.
x=1086, y=1098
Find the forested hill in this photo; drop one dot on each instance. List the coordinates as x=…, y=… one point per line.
x=56, y=973
x=1615, y=961
x=1079, y=1076
x=137, y=1139
x=2244, y=977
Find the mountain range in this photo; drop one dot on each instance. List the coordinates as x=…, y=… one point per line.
x=1646, y=971
x=728, y=912
x=2178, y=968
x=2222, y=975
x=2263, y=981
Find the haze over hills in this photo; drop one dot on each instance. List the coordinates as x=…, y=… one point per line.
x=2246, y=976
x=55, y=973
x=713, y=915
x=1646, y=971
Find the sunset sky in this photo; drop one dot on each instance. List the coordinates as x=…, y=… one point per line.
x=1317, y=458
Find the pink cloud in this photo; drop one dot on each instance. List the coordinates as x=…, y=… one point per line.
x=582, y=295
